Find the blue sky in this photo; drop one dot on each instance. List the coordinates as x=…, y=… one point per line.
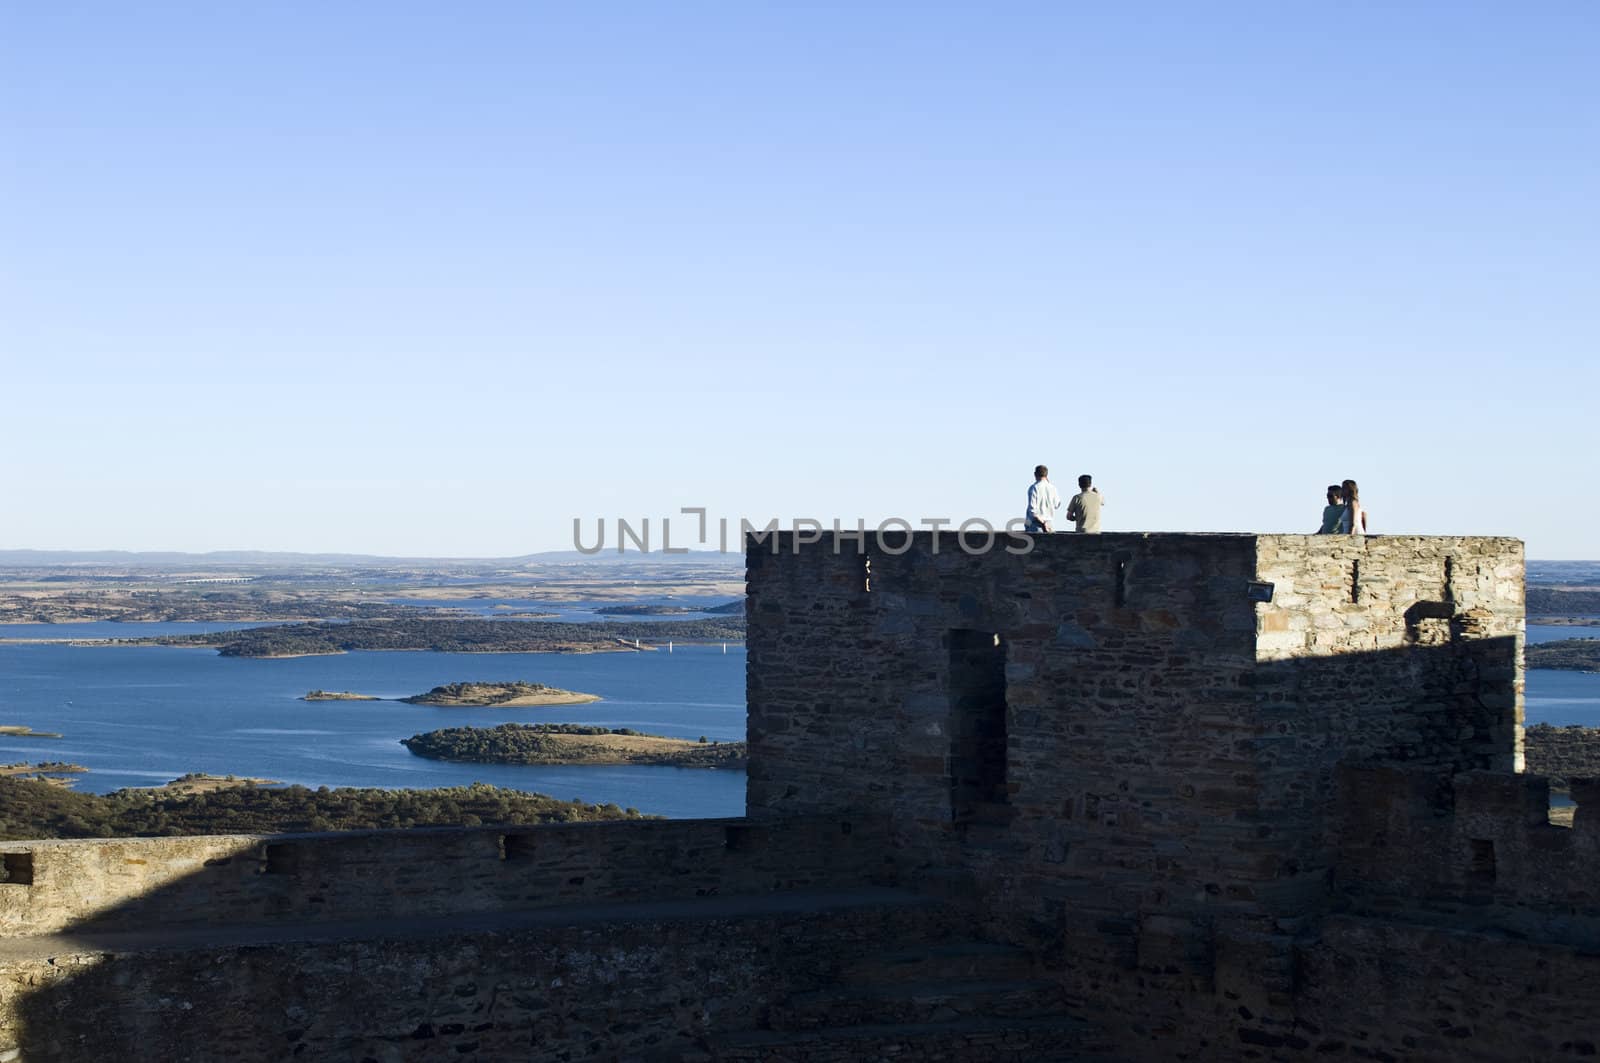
x=437, y=278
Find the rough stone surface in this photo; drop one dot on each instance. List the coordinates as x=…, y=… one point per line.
x=230, y=879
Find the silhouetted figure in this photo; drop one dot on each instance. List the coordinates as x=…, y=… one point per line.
x=1333, y=512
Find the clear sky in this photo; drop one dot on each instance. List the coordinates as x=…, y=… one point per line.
x=436, y=278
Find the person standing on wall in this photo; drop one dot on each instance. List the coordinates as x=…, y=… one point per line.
x=1333, y=512
x=1354, y=521
x=1084, y=509
x=1043, y=501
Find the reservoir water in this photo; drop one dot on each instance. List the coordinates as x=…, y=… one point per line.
x=139, y=716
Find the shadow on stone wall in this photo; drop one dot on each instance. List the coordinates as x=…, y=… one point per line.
x=389, y=945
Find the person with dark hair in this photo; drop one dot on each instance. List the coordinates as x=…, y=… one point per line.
x=1043, y=501
x=1333, y=512
x=1354, y=521
x=1084, y=509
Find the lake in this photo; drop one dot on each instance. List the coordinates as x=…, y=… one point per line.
x=141, y=715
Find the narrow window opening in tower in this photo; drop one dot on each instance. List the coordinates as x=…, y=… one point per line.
x=977, y=723
x=1483, y=862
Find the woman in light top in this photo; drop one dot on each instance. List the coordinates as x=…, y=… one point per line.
x=1355, y=518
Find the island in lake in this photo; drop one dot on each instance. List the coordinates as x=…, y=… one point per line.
x=571, y=743
x=1575, y=655
x=17, y=730
x=516, y=692
x=54, y=772
x=1570, y=605
x=336, y=695
x=198, y=782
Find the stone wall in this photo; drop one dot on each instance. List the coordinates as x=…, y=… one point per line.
x=1382, y=989
x=1172, y=740
x=131, y=883
x=1122, y=664
x=1477, y=845
x=1167, y=834
x=608, y=983
x=1366, y=602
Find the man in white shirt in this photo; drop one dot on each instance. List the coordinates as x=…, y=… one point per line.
x=1043, y=501
x=1084, y=509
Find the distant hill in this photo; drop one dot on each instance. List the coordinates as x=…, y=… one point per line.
x=457, y=636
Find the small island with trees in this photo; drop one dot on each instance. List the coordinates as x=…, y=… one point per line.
x=514, y=693
x=1573, y=655
x=570, y=743
x=54, y=772
x=1578, y=606
x=509, y=694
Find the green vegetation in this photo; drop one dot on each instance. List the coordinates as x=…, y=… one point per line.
x=456, y=636
x=336, y=695
x=515, y=692
x=1549, y=601
x=30, y=809
x=571, y=743
x=1578, y=655
x=54, y=772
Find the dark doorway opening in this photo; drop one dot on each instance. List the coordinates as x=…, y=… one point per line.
x=977, y=723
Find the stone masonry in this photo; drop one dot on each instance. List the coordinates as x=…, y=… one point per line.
x=1137, y=797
